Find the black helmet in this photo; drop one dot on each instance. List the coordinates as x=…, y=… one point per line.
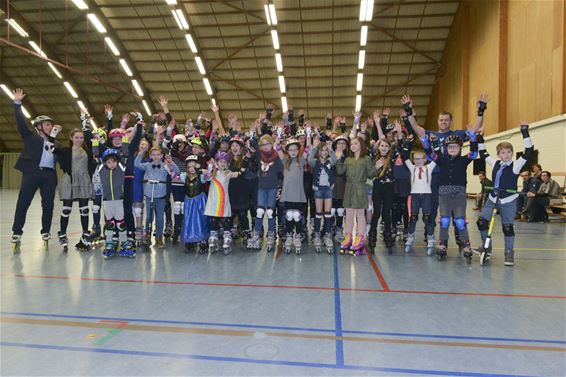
x=40, y=119
x=453, y=139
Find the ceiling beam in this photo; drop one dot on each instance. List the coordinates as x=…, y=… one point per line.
x=237, y=49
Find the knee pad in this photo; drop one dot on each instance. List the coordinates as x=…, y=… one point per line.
x=340, y=212
x=460, y=223
x=483, y=224
x=328, y=215
x=177, y=208
x=138, y=211
x=66, y=211
x=84, y=211
x=508, y=230
x=414, y=218
x=95, y=208
x=121, y=225
x=445, y=222
x=259, y=212
x=333, y=211
x=289, y=214
x=427, y=217
x=319, y=215
x=269, y=213
x=110, y=225
x=297, y=215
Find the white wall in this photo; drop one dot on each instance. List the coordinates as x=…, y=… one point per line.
x=549, y=138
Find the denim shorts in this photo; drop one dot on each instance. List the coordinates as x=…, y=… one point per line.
x=323, y=192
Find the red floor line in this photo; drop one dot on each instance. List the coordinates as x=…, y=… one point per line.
x=378, y=274
x=400, y=291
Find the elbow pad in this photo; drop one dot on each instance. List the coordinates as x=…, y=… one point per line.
x=528, y=153
x=426, y=142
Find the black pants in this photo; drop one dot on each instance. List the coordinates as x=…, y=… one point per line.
x=46, y=182
x=382, y=197
x=400, y=211
x=128, y=212
x=216, y=222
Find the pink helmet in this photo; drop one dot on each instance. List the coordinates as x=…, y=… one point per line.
x=116, y=132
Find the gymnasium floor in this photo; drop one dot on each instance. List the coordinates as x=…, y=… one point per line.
x=169, y=313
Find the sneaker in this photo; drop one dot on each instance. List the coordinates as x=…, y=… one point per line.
x=509, y=258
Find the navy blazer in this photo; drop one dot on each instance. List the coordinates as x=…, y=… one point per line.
x=28, y=161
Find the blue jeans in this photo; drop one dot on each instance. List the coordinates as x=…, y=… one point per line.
x=507, y=213
x=421, y=201
x=158, y=211
x=266, y=200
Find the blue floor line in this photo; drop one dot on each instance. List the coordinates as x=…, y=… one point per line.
x=285, y=328
x=254, y=361
x=338, y=315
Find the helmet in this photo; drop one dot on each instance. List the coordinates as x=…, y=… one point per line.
x=40, y=119
x=116, y=132
x=179, y=138
x=340, y=138
x=222, y=156
x=225, y=138
x=300, y=133
x=292, y=141
x=100, y=132
x=193, y=158
x=237, y=139
x=390, y=127
x=196, y=141
x=110, y=153
x=453, y=139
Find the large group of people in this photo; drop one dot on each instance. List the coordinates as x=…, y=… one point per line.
x=290, y=179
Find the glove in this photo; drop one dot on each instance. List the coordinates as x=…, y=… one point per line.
x=482, y=106
x=471, y=135
x=426, y=142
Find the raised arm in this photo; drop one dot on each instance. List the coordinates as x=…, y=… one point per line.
x=529, y=147
x=408, y=108
x=473, y=154
x=108, y=113
x=482, y=106
x=483, y=153
x=20, y=118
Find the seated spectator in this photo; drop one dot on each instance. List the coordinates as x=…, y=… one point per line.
x=522, y=199
x=549, y=189
x=533, y=186
x=482, y=196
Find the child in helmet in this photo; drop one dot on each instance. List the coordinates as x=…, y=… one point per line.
x=196, y=227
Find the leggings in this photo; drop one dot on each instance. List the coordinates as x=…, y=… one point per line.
x=382, y=197
x=66, y=212
x=217, y=222
x=96, y=205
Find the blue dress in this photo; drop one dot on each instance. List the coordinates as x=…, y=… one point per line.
x=196, y=226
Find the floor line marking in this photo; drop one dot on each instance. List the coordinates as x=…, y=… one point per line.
x=339, y=339
x=219, y=324
x=338, y=315
x=254, y=361
x=158, y=282
x=378, y=273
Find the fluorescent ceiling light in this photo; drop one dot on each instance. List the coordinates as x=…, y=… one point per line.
x=137, y=87
x=94, y=126
x=361, y=59
x=358, y=102
x=125, y=67
x=278, y=62
x=360, y=82
x=364, y=35
x=191, y=43
x=200, y=66
x=284, y=107
x=180, y=19
x=55, y=70
x=18, y=28
x=82, y=106
x=96, y=23
x=7, y=91
x=26, y=113
x=171, y=2
x=112, y=46
x=282, y=84
x=146, y=107
x=272, y=14
x=70, y=89
x=267, y=16
x=207, y=86
x=80, y=4
x=366, y=10
x=37, y=49
x=363, y=5
x=275, y=39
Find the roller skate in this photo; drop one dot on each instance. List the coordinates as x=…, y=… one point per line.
x=213, y=242
x=358, y=246
x=441, y=251
x=96, y=235
x=297, y=243
x=168, y=231
x=46, y=237
x=254, y=241
x=84, y=242
x=328, y=243
x=288, y=243
x=317, y=242
x=431, y=241
x=467, y=250
x=227, y=243
x=270, y=241
x=16, y=243
x=399, y=233
x=509, y=258
x=409, y=243
x=346, y=243
x=63, y=241
x=189, y=247
x=405, y=234
x=146, y=241
x=339, y=235
x=485, y=255
x=389, y=242
x=372, y=240
x=203, y=248
x=109, y=250
x=176, y=233
x=126, y=250
x=139, y=236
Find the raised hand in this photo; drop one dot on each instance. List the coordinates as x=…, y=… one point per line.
x=406, y=100
x=214, y=108
x=482, y=103
x=379, y=163
x=163, y=101
x=18, y=95
x=376, y=115
x=386, y=112
x=108, y=109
